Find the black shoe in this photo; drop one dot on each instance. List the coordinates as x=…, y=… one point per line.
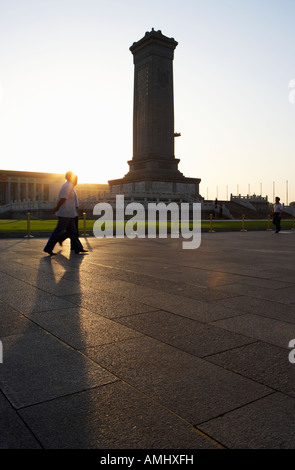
x=49, y=252
x=81, y=251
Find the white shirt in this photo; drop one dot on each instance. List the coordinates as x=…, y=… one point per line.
x=277, y=207
x=68, y=208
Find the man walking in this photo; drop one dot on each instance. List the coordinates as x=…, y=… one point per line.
x=66, y=213
x=277, y=214
x=67, y=234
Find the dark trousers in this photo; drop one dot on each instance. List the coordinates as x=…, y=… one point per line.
x=64, y=225
x=277, y=221
x=67, y=235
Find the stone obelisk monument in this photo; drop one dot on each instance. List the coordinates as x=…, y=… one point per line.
x=153, y=169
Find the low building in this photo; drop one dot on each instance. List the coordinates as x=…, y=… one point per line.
x=35, y=192
x=27, y=186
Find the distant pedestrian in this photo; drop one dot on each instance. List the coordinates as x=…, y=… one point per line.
x=277, y=214
x=66, y=213
x=216, y=207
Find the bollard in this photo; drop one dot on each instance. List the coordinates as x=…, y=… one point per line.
x=84, y=225
x=268, y=224
x=211, y=229
x=243, y=224
x=29, y=226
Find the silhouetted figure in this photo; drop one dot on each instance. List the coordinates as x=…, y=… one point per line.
x=67, y=233
x=277, y=214
x=216, y=208
x=66, y=213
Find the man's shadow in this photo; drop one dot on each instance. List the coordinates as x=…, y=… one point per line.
x=52, y=365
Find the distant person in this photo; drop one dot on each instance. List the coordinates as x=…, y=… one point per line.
x=66, y=213
x=216, y=207
x=277, y=214
x=67, y=232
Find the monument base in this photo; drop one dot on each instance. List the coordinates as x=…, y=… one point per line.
x=153, y=189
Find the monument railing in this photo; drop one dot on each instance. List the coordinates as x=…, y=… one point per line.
x=250, y=197
x=245, y=201
x=27, y=206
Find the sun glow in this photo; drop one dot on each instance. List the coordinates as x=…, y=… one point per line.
x=53, y=127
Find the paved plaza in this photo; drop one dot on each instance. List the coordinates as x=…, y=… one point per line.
x=140, y=344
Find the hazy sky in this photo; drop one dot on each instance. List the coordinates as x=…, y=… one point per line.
x=66, y=88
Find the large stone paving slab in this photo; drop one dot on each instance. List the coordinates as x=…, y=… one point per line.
x=82, y=328
x=45, y=280
x=115, y=416
x=107, y=304
x=203, y=311
x=37, y=367
x=12, y=322
x=185, y=384
x=262, y=307
x=261, y=328
x=265, y=363
x=283, y=295
x=161, y=285
x=182, y=274
x=14, y=433
x=264, y=424
x=27, y=298
x=188, y=335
